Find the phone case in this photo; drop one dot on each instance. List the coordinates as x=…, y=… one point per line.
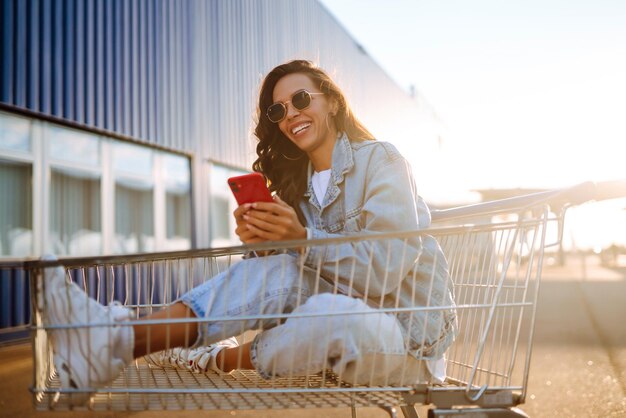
x=250, y=188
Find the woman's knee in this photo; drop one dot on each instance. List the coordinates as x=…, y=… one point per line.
x=339, y=315
x=330, y=302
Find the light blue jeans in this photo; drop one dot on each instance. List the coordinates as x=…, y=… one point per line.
x=323, y=329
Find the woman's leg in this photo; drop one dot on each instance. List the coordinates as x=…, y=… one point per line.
x=251, y=288
x=236, y=358
x=158, y=337
x=364, y=347
x=150, y=338
x=255, y=286
x=93, y=356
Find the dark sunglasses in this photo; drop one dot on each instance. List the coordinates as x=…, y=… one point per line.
x=300, y=100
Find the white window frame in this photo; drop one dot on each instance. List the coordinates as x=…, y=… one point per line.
x=42, y=164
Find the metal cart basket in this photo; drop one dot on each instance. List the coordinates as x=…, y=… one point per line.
x=494, y=252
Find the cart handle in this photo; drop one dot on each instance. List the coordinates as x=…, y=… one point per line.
x=558, y=199
x=578, y=194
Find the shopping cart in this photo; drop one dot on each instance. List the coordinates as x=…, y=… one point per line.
x=494, y=252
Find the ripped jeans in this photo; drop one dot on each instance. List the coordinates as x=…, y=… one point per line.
x=324, y=330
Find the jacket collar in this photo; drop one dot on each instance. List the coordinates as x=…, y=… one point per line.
x=343, y=160
x=342, y=163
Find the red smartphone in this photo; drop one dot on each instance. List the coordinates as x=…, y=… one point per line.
x=250, y=188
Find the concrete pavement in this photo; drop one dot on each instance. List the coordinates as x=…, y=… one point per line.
x=579, y=358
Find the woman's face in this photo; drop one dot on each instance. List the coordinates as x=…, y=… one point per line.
x=310, y=129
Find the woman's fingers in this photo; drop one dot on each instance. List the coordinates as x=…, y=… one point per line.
x=280, y=201
x=262, y=222
x=251, y=238
x=272, y=222
x=246, y=235
x=267, y=221
x=263, y=234
x=241, y=210
x=269, y=211
x=271, y=207
x=273, y=226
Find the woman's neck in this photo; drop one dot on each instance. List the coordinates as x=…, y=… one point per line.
x=322, y=157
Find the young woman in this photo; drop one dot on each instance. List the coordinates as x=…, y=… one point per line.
x=331, y=179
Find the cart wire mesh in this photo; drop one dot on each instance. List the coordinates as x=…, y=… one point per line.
x=494, y=257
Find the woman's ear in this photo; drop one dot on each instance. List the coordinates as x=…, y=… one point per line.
x=334, y=107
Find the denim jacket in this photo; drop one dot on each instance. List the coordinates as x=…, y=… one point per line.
x=372, y=189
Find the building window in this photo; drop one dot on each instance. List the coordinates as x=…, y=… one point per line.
x=134, y=220
x=75, y=226
x=133, y=168
x=16, y=187
x=75, y=147
x=177, y=180
x=16, y=230
x=74, y=214
x=223, y=205
x=14, y=133
x=72, y=193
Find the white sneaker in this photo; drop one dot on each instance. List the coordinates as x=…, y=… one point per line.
x=84, y=357
x=199, y=359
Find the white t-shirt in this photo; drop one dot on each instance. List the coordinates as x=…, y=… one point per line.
x=320, y=182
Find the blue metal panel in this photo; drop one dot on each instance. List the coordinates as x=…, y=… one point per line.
x=165, y=82
x=90, y=68
x=99, y=65
x=14, y=298
x=21, y=292
x=171, y=80
x=20, y=55
x=105, y=104
x=57, y=59
x=45, y=65
x=6, y=299
x=150, y=70
x=157, y=36
x=117, y=52
x=7, y=46
x=79, y=62
x=32, y=53
x=133, y=87
x=68, y=60
x=142, y=69
x=125, y=91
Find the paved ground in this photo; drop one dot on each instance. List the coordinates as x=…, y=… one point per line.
x=579, y=358
x=578, y=367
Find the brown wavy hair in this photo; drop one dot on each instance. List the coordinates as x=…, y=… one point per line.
x=282, y=163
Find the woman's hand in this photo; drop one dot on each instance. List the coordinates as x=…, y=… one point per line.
x=276, y=221
x=245, y=235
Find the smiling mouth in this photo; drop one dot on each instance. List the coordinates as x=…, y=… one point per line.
x=296, y=130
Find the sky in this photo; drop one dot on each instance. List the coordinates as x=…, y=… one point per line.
x=532, y=92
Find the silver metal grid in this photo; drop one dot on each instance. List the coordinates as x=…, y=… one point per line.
x=495, y=267
x=143, y=386
x=495, y=261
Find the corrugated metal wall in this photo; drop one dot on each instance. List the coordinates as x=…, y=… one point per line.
x=121, y=66
x=14, y=304
x=181, y=74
